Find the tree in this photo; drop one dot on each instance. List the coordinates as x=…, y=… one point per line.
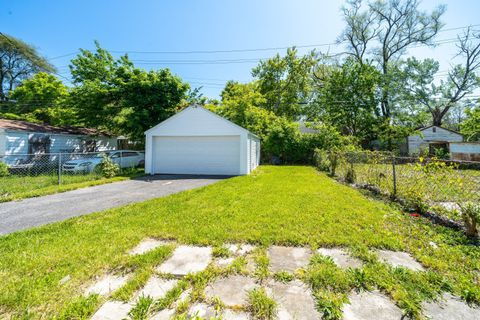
x=382, y=31
x=42, y=97
x=18, y=61
x=112, y=94
x=347, y=99
x=285, y=82
x=470, y=127
x=440, y=98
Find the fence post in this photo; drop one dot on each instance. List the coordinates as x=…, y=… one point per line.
x=59, y=168
x=121, y=161
x=394, y=173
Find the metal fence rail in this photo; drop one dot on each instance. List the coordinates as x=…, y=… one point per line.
x=423, y=183
x=27, y=172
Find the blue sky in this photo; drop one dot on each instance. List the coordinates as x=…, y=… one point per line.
x=59, y=28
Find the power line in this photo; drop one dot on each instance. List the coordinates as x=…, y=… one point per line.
x=242, y=50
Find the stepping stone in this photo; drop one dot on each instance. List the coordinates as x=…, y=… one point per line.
x=450, y=308
x=341, y=258
x=202, y=310
x=399, y=259
x=165, y=314
x=187, y=259
x=288, y=258
x=294, y=300
x=156, y=288
x=147, y=245
x=245, y=249
x=234, y=315
x=106, y=285
x=112, y=310
x=224, y=262
x=232, y=291
x=240, y=249
x=369, y=305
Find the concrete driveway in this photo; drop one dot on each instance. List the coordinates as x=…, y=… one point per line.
x=32, y=212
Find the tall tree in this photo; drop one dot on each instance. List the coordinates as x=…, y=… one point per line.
x=285, y=82
x=18, y=61
x=41, y=97
x=112, y=94
x=382, y=31
x=470, y=127
x=462, y=79
x=347, y=99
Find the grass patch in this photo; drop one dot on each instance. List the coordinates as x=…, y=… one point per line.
x=15, y=187
x=260, y=305
x=281, y=205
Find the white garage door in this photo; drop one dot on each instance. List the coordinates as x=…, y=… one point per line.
x=197, y=155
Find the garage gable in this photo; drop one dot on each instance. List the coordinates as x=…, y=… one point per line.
x=196, y=121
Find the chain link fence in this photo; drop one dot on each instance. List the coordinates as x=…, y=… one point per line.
x=424, y=184
x=23, y=173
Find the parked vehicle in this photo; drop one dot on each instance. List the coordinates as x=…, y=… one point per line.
x=87, y=164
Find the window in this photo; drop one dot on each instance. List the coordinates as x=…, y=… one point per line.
x=434, y=129
x=129, y=154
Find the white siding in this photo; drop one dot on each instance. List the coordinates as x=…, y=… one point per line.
x=253, y=153
x=417, y=143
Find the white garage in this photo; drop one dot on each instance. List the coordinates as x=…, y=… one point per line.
x=198, y=141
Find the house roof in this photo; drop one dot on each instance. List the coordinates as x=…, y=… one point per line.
x=206, y=110
x=25, y=126
x=425, y=128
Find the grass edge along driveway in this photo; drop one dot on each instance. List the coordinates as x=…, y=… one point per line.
x=21, y=187
x=291, y=205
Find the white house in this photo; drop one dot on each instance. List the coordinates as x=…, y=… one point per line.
x=198, y=141
x=21, y=140
x=431, y=138
x=466, y=151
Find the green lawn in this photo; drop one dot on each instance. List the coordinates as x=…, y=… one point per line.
x=14, y=187
x=282, y=205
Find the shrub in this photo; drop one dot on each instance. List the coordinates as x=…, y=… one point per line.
x=108, y=168
x=471, y=217
x=3, y=170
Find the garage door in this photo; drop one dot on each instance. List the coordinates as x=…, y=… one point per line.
x=197, y=155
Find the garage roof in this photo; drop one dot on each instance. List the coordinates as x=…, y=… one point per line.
x=203, y=109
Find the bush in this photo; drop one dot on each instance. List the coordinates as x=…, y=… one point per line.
x=3, y=170
x=108, y=168
x=471, y=217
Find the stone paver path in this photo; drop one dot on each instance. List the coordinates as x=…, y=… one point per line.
x=106, y=285
x=156, y=288
x=165, y=314
x=113, y=310
x=450, y=308
x=148, y=245
x=370, y=305
x=294, y=300
x=187, y=259
x=399, y=259
x=288, y=258
x=232, y=291
x=341, y=258
x=202, y=310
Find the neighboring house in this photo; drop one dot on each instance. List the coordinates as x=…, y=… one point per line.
x=431, y=139
x=466, y=151
x=198, y=141
x=21, y=140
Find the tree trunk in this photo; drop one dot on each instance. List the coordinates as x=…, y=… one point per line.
x=437, y=117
